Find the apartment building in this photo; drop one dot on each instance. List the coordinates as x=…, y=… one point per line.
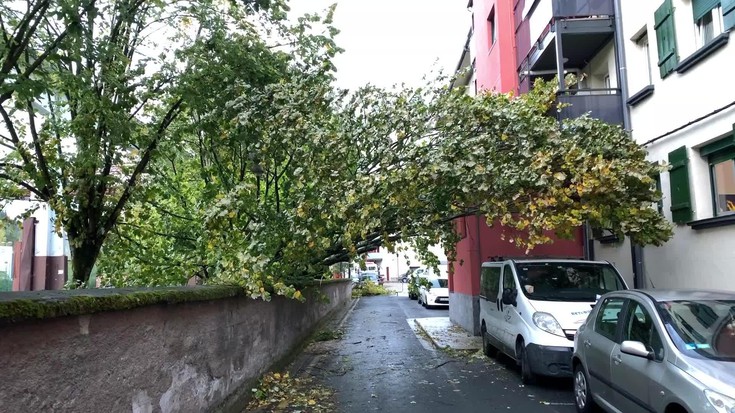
x=682, y=110
x=657, y=68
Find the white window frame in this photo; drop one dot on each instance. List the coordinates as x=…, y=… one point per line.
x=700, y=29
x=642, y=43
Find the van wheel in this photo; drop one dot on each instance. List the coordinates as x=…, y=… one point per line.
x=527, y=375
x=488, y=349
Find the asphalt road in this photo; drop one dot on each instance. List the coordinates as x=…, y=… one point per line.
x=382, y=364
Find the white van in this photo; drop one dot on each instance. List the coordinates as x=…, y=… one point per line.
x=531, y=309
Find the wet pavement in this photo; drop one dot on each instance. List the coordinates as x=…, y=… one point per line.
x=384, y=362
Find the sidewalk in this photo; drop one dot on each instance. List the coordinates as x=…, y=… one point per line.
x=444, y=334
x=399, y=288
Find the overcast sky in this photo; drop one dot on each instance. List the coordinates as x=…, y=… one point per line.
x=388, y=42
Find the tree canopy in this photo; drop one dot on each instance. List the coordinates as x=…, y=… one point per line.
x=88, y=92
x=236, y=159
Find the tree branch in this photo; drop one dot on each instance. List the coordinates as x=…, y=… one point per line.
x=14, y=136
x=24, y=185
x=48, y=187
x=173, y=111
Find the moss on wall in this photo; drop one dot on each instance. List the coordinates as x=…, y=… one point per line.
x=65, y=303
x=48, y=304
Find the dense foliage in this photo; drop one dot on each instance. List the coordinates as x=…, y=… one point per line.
x=238, y=161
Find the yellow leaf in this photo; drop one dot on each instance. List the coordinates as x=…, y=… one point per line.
x=277, y=376
x=311, y=402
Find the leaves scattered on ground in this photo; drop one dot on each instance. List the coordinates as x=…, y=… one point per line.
x=327, y=335
x=279, y=392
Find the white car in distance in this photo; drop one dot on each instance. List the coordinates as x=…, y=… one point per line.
x=437, y=294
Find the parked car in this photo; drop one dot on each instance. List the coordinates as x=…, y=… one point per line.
x=531, y=309
x=406, y=276
x=372, y=276
x=657, y=351
x=435, y=294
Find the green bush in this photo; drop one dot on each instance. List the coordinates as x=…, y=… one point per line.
x=367, y=288
x=415, y=283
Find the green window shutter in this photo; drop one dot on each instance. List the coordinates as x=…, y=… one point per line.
x=702, y=7
x=728, y=14
x=681, y=205
x=666, y=38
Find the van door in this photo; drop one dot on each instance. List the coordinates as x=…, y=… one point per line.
x=490, y=302
x=510, y=318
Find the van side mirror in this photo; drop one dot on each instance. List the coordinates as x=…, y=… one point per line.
x=509, y=297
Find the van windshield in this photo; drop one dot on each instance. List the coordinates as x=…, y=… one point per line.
x=567, y=281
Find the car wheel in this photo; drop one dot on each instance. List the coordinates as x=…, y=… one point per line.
x=488, y=349
x=582, y=397
x=527, y=375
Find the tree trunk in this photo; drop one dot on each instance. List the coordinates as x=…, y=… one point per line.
x=83, y=258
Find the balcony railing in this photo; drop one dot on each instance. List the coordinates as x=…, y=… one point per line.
x=603, y=104
x=582, y=8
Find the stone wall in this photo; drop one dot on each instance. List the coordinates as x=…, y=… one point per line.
x=186, y=350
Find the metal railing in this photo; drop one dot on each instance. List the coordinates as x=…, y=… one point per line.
x=582, y=8
x=603, y=104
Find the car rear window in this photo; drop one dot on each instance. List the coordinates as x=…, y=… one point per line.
x=701, y=327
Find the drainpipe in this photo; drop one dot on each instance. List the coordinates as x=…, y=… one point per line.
x=622, y=67
x=636, y=251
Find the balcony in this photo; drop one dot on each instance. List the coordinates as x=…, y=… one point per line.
x=603, y=104
x=570, y=9
x=578, y=49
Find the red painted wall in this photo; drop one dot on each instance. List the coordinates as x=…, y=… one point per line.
x=473, y=250
x=495, y=65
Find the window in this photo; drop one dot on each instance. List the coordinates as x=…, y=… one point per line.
x=668, y=58
x=492, y=28
x=640, y=327
x=508, y=281
x=490, y=282
x=606, y=323
x=439, y=283
x=708, y=25
x=567, y=281
x=721, y=157
x=642, y=44
x=723, y=181
x=703, y=328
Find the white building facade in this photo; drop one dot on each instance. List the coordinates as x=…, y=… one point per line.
x=682, y=111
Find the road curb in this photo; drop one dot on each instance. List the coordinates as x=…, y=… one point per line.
x=426, y=333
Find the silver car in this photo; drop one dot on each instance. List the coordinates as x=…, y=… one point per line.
x=657, y=351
